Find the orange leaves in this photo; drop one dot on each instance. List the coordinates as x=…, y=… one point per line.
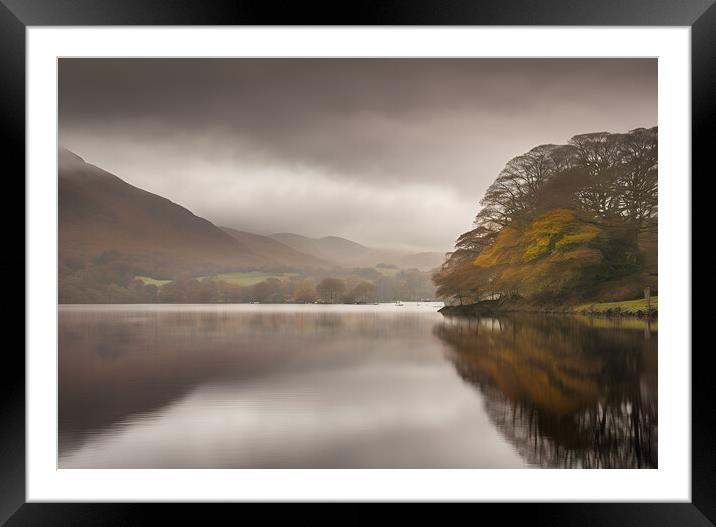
x=550, y=253
x=504, y=250
x=584, y=256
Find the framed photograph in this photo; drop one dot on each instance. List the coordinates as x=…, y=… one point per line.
x=414, y=256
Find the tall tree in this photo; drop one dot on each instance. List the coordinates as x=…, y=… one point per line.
x=637, y=177
x=329, y=289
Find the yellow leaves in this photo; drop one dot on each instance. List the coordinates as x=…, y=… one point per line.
x=548, y=254
x=554, y=221
x=556, y=254
x=553, y=230
x=539, y=246
x=548, y=235
x=583, y=234
x=502, y=250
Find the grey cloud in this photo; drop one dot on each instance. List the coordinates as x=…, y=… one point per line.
x=205, y=130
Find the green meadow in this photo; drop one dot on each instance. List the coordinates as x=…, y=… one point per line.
x=387, y=271
x=242, y=278
x=152, y=281
x=249, y=278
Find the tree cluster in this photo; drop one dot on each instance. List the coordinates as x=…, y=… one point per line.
x=112, y=278
x=558, y=211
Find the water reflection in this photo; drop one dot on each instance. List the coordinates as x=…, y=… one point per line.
x=566, y=391
x=266, y=387
x=351, y=387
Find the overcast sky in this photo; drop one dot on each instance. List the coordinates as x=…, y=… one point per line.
x=390, y=153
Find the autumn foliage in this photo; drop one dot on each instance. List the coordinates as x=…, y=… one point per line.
x=560, y=222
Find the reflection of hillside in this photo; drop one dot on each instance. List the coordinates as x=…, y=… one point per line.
x=565, y=393
x=114, y=364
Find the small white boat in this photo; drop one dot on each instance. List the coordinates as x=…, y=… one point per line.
x=399, y=303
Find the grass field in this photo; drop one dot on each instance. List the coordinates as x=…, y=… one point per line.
x=248, y=278
x=387, y=271
x=152, y=281
x=626, y=306
x=242, y=278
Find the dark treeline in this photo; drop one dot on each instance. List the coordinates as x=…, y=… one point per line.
x=111, y=277
x=564, y=221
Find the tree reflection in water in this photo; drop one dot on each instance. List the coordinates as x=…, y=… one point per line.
x=568, y=392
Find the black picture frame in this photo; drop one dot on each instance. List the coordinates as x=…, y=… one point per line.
x=17, y=15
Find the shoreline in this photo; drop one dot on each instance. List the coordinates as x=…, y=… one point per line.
x=490, y=308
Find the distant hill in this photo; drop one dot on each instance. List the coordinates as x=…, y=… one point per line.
x=332, y=248
x=271, y=250
x=424, y=261
x=100, y=213
x=347, y=253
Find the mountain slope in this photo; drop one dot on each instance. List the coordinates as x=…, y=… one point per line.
x=348, y=253
x=99, y=212
x=332, y=248
x=274, y=251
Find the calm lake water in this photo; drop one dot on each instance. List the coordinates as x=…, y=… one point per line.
x=311, y=386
